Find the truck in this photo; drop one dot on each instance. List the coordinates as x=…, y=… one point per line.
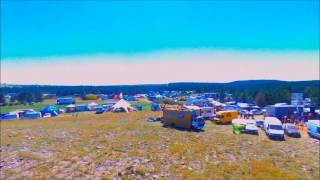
x=188, y=119
x=225, y=116
x=273, y=128
x=313, y=127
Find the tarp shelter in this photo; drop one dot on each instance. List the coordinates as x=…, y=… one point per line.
x=239, y=125
x=92, y=106
x=122, y=106
x=52, y=110
x=9, y=117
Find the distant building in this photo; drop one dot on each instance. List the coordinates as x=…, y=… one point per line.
x=279, y=111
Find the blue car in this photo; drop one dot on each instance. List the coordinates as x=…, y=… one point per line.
x=291, y=130
x=100, y=110
x=259, y=123
x=314, y=128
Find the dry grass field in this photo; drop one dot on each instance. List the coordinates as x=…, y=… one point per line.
x=126, y=146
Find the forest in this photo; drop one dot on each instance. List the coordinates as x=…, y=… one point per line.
x=262, y=92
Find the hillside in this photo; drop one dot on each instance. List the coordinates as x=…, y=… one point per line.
x=126, y=146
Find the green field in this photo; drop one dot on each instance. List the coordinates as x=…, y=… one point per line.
x=35, y=106
x=146, y=106
x=126, y=146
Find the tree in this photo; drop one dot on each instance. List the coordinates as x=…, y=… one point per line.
x=260, y=99
x=168, y=101
x=222, y=95
x=12, y=99
x=25, y=97
x=2, y=99
x=38, y=97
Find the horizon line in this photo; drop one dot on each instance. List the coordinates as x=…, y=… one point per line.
x=151, y=84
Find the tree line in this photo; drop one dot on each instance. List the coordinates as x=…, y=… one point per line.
x=262, y=92
x=24, y=97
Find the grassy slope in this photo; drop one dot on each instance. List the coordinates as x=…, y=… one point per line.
x=35, y=106
x=121, y=144
x=146, y=106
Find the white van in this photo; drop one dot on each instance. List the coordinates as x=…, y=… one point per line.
x=273, y=128
x=207, y=112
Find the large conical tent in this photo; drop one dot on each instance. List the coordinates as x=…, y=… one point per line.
x=122, y=106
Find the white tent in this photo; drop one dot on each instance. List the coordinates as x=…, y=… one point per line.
x=92, y=106
x=122, y=106
x=217, y=103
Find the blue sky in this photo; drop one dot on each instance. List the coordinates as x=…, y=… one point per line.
x=88, y=42
x=53, y=28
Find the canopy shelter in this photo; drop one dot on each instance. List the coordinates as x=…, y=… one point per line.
x=122, y=106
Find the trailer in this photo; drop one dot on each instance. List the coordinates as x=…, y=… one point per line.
x=179, y=118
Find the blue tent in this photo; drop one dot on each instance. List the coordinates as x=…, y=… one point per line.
x=9, y=117
x=53, y=110
x=81, y=107
x=155, y=107
x=138, y=107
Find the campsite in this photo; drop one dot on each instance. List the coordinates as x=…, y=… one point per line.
x=170, y=90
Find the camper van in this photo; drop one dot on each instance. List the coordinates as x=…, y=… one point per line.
x=314, y=128
x=225, y=116
x=207, y=112
x=273, y=128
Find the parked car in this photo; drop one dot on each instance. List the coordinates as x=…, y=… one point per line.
x=259, y=123
x=256, y=112
x=100, y=110
x=291, y=130
x=251, y=127
x=273, y=128
x=314, y=128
